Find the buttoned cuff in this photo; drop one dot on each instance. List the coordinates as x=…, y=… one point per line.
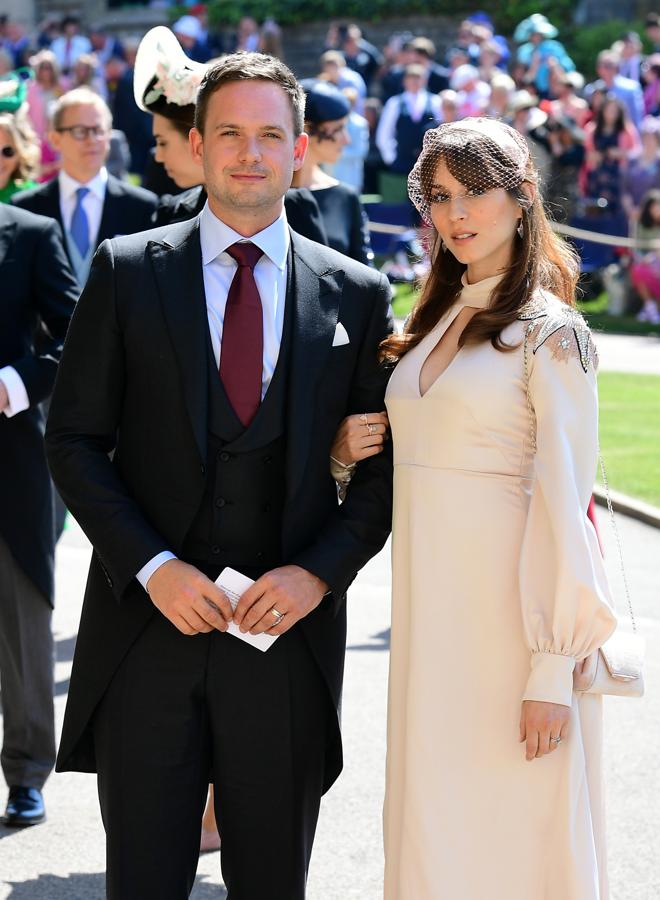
x=147, y=571
x=18, y=396
x=551, y=679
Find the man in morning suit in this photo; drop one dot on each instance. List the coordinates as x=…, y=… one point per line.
x=38, y=295
x=216, y=358
x=89, y=204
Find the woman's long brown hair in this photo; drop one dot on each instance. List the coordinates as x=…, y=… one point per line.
x=540, y=259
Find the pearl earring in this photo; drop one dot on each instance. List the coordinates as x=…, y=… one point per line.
x=443, y=246
x=520, y=229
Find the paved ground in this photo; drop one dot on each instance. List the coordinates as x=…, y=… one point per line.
x=64, y=858
x=629, y=353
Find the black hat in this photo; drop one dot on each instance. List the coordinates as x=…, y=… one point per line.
x=323, y=102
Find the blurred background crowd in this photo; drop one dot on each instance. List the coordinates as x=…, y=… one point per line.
x=596, y=140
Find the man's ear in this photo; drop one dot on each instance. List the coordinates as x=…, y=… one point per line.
x=299, y=150
x=196, y=145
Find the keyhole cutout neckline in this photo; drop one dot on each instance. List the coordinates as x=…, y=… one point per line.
x=473, y=297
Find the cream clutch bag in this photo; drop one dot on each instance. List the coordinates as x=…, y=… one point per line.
x=615, y=668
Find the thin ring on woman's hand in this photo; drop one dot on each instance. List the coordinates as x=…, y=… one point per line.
x=364, y=418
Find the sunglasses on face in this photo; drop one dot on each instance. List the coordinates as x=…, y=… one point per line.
x=8, y=152
x=82, y=132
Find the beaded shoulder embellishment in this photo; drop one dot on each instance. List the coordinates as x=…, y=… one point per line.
x=564, y=329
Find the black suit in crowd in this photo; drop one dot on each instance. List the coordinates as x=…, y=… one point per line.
x=126, y=209
x=302, y=211
x=38, y=295
x=159, y=714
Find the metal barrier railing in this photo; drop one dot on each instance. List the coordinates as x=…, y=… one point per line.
x=581, y=234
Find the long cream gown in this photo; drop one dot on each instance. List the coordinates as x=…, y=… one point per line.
x=498, y=587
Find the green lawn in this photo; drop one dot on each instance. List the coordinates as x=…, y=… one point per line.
x=630, y=433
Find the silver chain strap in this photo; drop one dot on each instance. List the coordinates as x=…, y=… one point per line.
x=532, y=418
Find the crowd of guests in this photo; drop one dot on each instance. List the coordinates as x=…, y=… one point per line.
x=596, y=143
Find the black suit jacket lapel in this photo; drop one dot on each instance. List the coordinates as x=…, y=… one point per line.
x=110, y=224
x=315, y=291
x=177, y=262
x=50, y=206
x=7, y=232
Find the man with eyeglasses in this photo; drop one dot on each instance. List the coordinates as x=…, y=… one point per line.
x=90, y=204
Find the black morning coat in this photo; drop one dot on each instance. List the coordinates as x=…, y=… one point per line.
x=134, y=379
x=37, y=297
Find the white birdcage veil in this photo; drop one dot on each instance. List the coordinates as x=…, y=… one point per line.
x=480, y=153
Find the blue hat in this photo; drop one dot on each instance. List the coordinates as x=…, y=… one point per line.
x=534, y=24
x=323, y=102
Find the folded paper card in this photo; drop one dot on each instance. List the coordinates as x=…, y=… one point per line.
x=235, y=585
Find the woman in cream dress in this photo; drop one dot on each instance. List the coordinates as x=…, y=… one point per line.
x=493, y=788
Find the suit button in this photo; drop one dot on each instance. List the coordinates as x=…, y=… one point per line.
x=260, y=554
x=220, y=502
x=267, y=460
x=224, y=456
x=215, y=549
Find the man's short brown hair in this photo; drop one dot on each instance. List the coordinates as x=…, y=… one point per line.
x=244, y=66
x=82, y=96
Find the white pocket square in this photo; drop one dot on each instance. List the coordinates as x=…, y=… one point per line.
x=341, y=336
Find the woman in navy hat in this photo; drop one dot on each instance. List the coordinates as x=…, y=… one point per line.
x=326, y=115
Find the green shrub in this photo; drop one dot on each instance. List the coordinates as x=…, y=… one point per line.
x=585, y=43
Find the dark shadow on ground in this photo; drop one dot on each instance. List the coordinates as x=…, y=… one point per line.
x=381, y=642
x=90, y=886
x=7, y=832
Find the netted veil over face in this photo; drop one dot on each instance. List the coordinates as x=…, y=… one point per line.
x=480, y=153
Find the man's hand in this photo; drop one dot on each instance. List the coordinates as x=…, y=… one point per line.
x=4, y=397
x=191, y=601
x=290, y=590
x=540, y=725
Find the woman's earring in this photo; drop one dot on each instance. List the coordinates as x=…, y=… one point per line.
x=520, y=229
x=443, y=246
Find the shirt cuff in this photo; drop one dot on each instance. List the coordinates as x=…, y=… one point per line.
x=18, y=396
x=551, y=679
x=147, y=571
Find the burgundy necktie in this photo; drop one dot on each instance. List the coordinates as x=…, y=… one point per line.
x=242, y=351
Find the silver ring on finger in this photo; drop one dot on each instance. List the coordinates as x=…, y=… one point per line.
x=364, y=418
x=278, y=617
x=556, y=740
x=371, y=429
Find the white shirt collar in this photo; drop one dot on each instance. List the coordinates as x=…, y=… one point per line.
x=215, y=236
x=97, y=186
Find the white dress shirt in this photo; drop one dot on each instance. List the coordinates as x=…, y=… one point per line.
x=92, y=203
x=18, y=397
x=218, y=268
x=386, y=130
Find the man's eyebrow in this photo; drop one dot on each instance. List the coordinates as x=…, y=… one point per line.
x=240, y=127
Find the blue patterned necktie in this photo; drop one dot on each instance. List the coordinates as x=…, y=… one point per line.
x=80, y=223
